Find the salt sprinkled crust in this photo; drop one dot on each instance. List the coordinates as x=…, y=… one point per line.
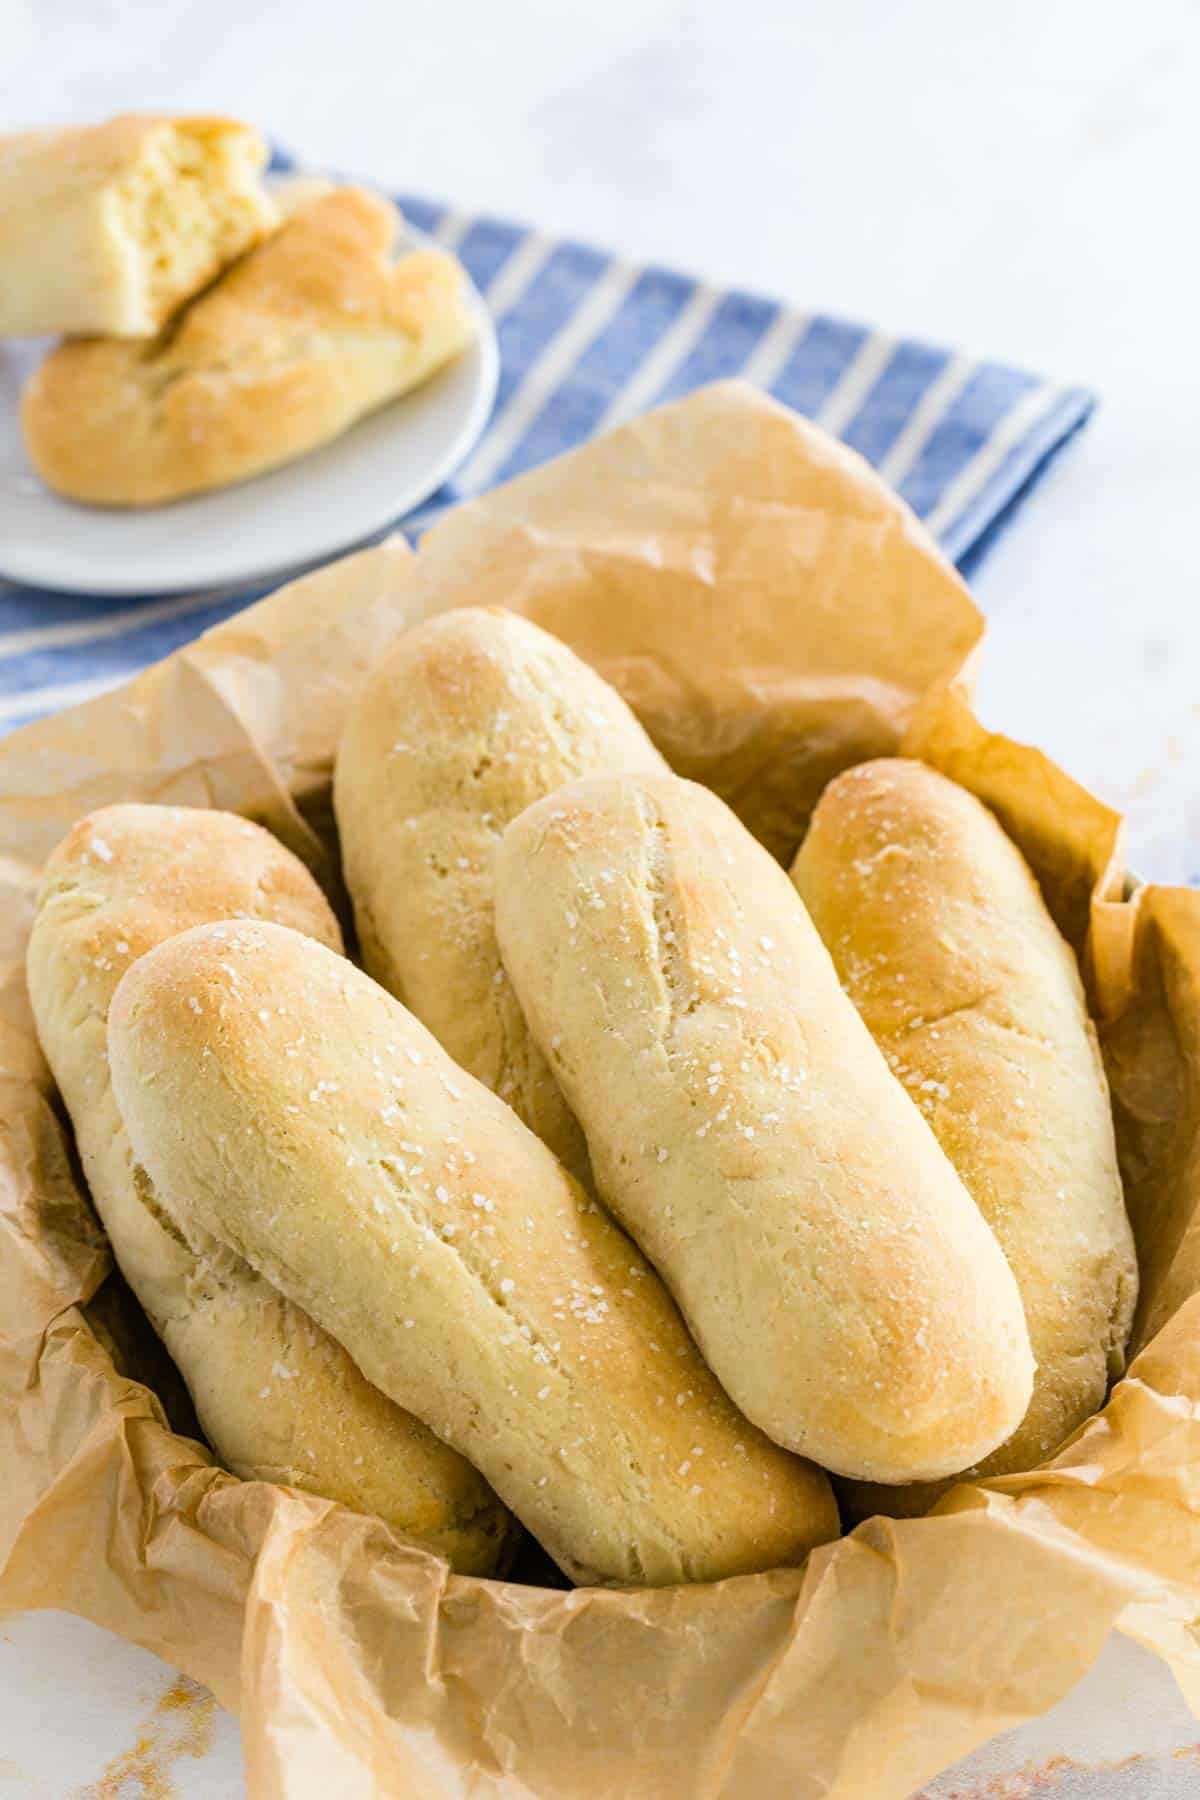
x=943, y=942
x=108, y=228
x=278, y=1399
x=306, y=334
x=335, y=1146
x=474, y=715
x=747, y=1132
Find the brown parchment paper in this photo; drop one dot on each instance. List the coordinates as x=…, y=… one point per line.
x=774, y=615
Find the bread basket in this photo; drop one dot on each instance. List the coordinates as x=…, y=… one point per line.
x=773, y=614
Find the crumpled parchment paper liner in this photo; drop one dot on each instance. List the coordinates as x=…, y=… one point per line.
x=774, y=615
x=769, y=609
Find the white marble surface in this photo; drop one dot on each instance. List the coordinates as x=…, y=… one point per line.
x=1018, y=180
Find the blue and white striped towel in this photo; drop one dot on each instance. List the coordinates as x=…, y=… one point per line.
x=587, y=340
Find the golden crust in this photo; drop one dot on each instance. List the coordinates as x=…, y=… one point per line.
x=745, y=1129
x=280, y=1401
x=474, y=715
x=306, y=334
x=408, y=1210
x=944, y=944
x=108, y=228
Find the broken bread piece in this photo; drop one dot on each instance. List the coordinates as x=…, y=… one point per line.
x=108, y=228
x=312, y=330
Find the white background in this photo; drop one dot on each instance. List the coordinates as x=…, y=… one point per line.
x=1018, y=180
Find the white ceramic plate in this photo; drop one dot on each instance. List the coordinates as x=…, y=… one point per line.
x=379, y=470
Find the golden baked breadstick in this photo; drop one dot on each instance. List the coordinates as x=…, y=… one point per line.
x=285, y=1103
x=747, y=1132
x=279, y=1400
x=473, y=715
x=306, y=334
x=943, y=942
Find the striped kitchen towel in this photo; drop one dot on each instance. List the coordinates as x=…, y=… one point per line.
x=587, y=340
